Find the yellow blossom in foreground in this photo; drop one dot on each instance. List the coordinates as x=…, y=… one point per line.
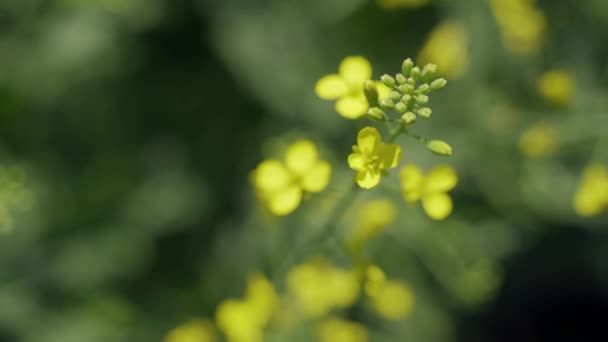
x=447, y=46
x=556, y=86
x=338, y=330
x=193, y=331
x=281, y=185
x=430, y=189
x=538, y=140
x=389, y=298
x=371, y=157
x=591, y=197
x=319, y=287
x=373, y=218
x=522, y=25
x=243, y=320
x=402, y=3
x=347, y=87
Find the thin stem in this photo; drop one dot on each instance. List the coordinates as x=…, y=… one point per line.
x=416, y=136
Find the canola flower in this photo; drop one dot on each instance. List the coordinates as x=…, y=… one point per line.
x=431, y=189
x=591, y=197
x=281, y=185
x=198, y=330
x=522, y=25
x=371, y=157
x=339, y=330
x=538, y=140
x=347, y=87
x=556, y=87
x=391, y=299
x=244, y=320
x=373, y=218
x=447, y=46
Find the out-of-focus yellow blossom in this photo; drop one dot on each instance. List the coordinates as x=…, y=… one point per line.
x=430, y=189
x=557, y=87
x=591, y=197
x=319, y=287
x=389, y=298
x=390, y=4
x=373, y=217
x=371, y=157
x=347, y=87
x=243, y=320
x=280, y=185
x=338, y=330
x=199, y=330
x=447, y=46
x=538, y=140
x=522, y=25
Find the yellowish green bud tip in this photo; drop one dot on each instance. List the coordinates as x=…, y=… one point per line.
x=438, y=84
x=439, y=147
x=371, y=93
x=425, y=112
x=376, y=113
x=408, y=118
x=407, y=66
x=388, y=80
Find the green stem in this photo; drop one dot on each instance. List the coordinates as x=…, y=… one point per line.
x=415, y=136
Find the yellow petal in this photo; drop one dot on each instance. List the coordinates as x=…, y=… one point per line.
x=368, y=179
x=390, y=154
x=352, y=107
x=355, y=70
x=393, y=300
x=437, y=206
x=262, y=298
x=236, y=318
x=331, y=87
x=441, y=178
x=285, y=201
x=591, y=197
x=368, y=140
x=338, y=330
x=357, y=161
x=270, y=176
x=301, y=156
x=198, y=330
x=411, y=177
x=383, y=90
x=317, y=177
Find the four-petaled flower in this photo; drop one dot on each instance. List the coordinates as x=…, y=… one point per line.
x=281, y=185
x=347, y=87
x=371, y=157
x=431, y=189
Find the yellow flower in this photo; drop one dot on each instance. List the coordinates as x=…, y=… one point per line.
x=556, y=86
x=244, y=320
x=281, y=185
x=338, y=330
x=522, y=25
x=199, y=330
x=373, y=218
x=371, y=157
x=447, y=46
x=402, y=3
x=319, y=287
x=539, y=140
x=591, y=197
x=389, y=298
x=430, y=189
x=347, y=87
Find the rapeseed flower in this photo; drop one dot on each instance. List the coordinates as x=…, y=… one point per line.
x=538, y=140
x=447, y=46
x=391, y=299
x=591, y=197
x=557, y=87
x=522, y=25
x=431, y=189
x=280, y=185
x=198, y=330
x=371, y=157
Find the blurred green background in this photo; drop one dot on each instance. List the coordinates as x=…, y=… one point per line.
x=129, y=128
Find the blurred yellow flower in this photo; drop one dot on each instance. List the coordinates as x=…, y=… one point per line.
x=430, y=189
x=389, y=298
x=244, y=320
x=371, y=157
x=402, y=3
x=281, y=185
x=319, y=287
x=521, y=23
x=347, y=87
x=538, y=140
x=374, y=216
x=198, y=330
x=447, y=46
x=591, y=197
x=556, y=86
x=338, y=330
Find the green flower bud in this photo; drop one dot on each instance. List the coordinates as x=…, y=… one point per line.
x=411, y=81
x=387, y=103
x=438, y=84
x=407, y=66
x=388, y=80
x=423, y=88
x=428, y=72
x=393, y=95
x=406, y=88
x=400, y=78
x=425, y=112
x=376, y=113
x=439, y=147
x=406, y=99
x=371, y=93
x=415, y=73
x=400, y=107
x=422, y=99
x=408, y=118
